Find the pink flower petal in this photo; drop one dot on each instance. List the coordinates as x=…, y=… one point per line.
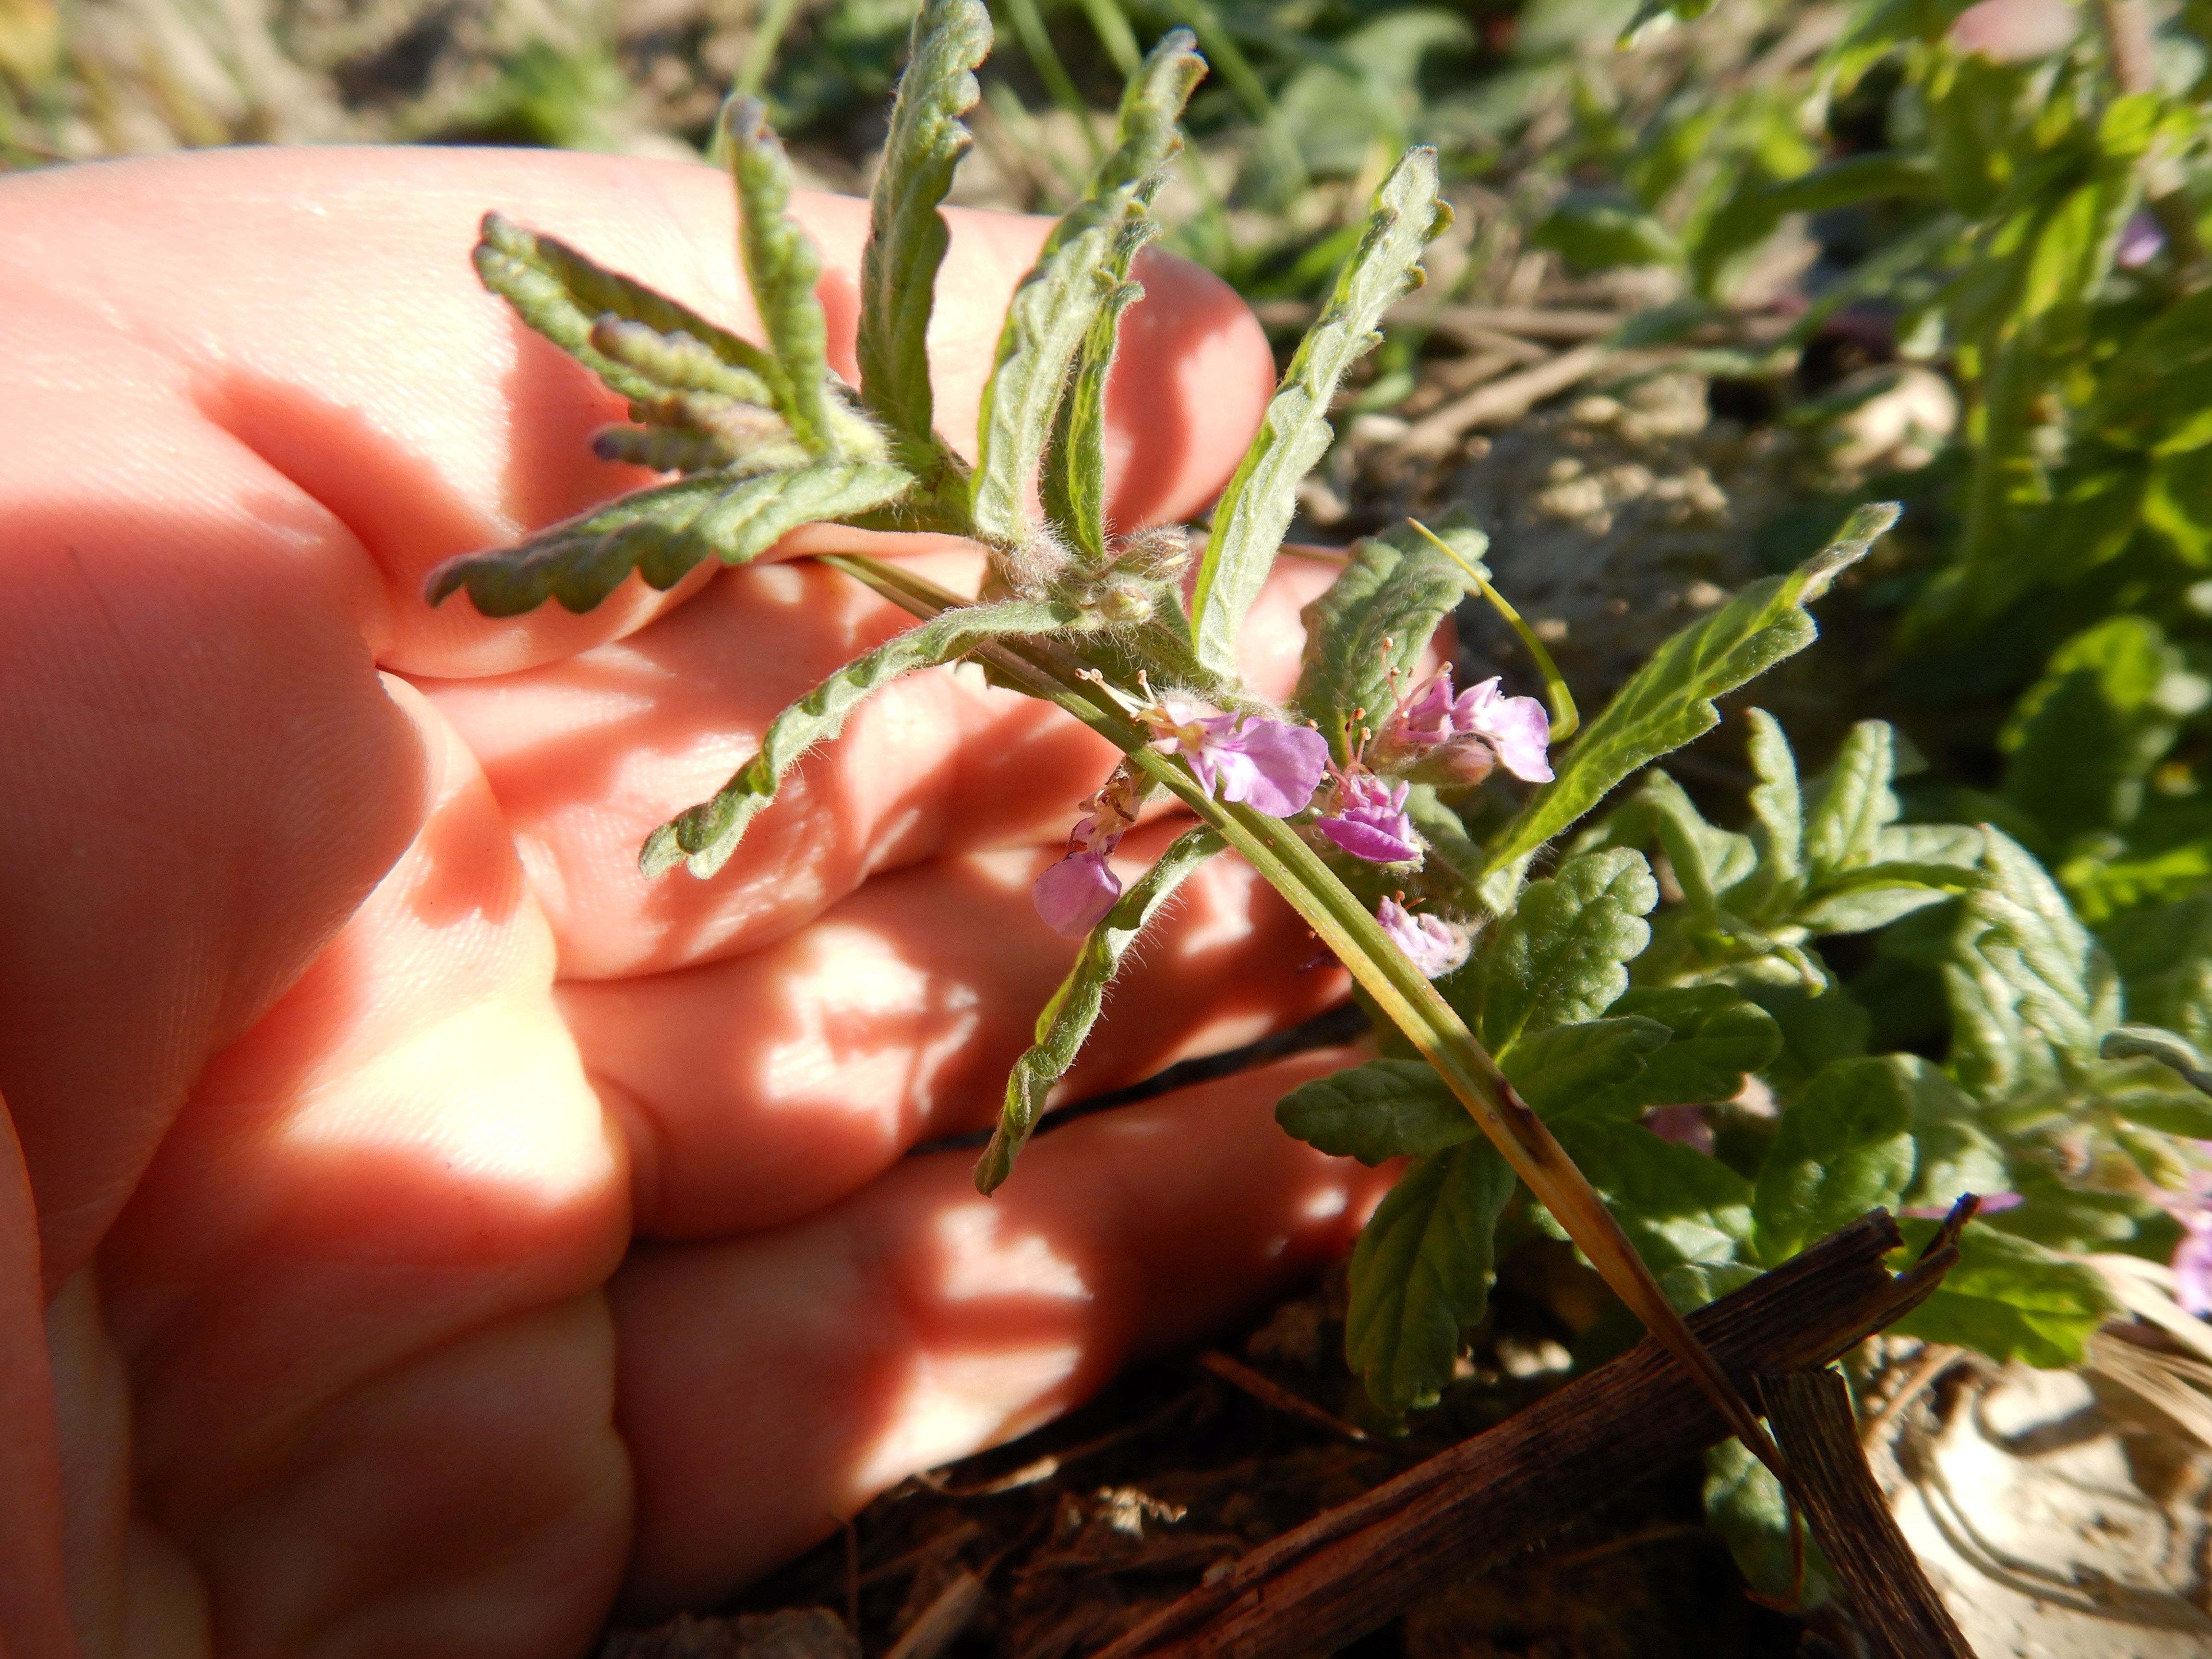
x=1271, y=766
x=1520, y=731
x=1435, y=947
x=1075, y=894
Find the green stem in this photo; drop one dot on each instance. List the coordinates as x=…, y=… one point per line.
x=1282, y=856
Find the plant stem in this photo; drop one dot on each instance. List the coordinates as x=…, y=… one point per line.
x=1283, y=857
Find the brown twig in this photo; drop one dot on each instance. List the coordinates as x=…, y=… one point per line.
x=1812, y=1416
x=1497, y=403
x=1356, y=1567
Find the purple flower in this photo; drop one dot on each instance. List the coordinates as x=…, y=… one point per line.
x=2192, y=1267
x=1270, y=765
x=1435, y=947
x=1075, y=894
x=2141, y=241
x=1371, y=822
x=1516, y=729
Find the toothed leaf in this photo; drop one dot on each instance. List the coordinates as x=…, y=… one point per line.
x=704, y=837
x=661, y=533
x=1081, y=268
x=1421, y=1272
x=561, y=294
x=907, y=236
x=1255, y=509
x=1669, y=701
x=1066, y=1023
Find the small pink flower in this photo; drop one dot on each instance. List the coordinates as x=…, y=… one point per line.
x=2192, y=1268
x=1270, y=765
x=1517, y=730
x=1371, y=822
x=1075, y=895
x=1435, y=947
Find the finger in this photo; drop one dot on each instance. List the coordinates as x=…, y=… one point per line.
x=335, y=327
x=318, y=402
x=760, y=1089
x=357, y=1290
x=771, y=1384
x=34, y=1610
x=588, y=755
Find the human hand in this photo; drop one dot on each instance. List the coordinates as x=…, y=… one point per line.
x=446, y=1231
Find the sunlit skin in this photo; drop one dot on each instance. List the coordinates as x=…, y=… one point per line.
x=437, y=1235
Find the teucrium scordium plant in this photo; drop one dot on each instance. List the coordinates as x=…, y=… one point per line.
x=1340, y=799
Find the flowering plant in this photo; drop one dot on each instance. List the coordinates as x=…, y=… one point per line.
x=1527, y=1027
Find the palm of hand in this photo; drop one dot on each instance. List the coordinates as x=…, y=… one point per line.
x=446, y=1229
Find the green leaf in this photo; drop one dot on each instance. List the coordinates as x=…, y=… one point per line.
x=1453, y=860
x=1706, y=859
x=1558, y=958
x=1853, y=805
x=1669, y=701
x=1065, y=1024
x=2168, y=1050
x=1565, y=1067
x=704, y=836
x=1083, y=264
x=1677, y=1204
x=782, y=266
x=1818, y=1028
x=1844, y=1146
x=1255, y=508
x=662, y=533
x=1778, y=821
x=2084, y=739
x=1718, y=1038
x=2157, y=393
x=1384, y=1109
x=1366, y=636
x=2030, y=989
x=1598, y=233
x=2010, y=1299
x=1421, y=1272
x=1955, y=1154
x=1073, y=487
x=561, y=294
x=907, y=236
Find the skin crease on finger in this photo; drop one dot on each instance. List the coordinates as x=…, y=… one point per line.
x=279, y=942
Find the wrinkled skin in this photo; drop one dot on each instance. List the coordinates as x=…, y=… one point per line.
x=436, y=1234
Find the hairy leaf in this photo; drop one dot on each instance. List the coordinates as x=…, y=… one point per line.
x=1384, y=1109
x=1559, y=958
x=1777, y=821
x=1366, y=636
x=704, y=836
x=1083, y=265
x=2031, y=991
x=2165, y=955
x=1421, y=1272
x=1255, y=508
x=1669, y=701
x=2010, y=1299
x=1718, y=1038
x=907, y=236
x=1853, y=804
x=1064, y=1024
x=1073, y=487
x=1565, y=1067
x=782, y=266
x=561, y=294
x=1845, y=1145
x=661, y=533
